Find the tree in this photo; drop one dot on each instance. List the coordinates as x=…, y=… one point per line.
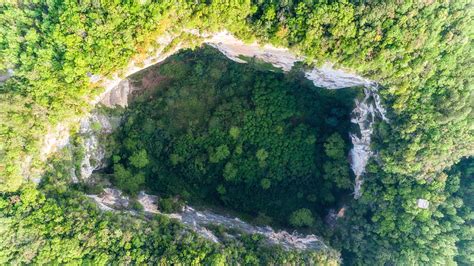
x=336, y=168
x=126, y=180
x=301, y=218
x=265, y=183
x=139, y=159
x=234, y=132
x=221, y=153
x=334, y=147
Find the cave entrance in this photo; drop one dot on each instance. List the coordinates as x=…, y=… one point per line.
x=244, y=137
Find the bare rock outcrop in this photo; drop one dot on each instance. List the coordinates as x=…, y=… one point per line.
x=119, y=95
x=112, y=199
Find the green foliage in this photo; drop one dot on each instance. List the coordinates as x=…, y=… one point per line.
x=170, y=205
x=130, y=182
x=266, y=183
x=242, y=138
x=334, y=147
x=67, y=228
x=139, y=159
x=420, y=52
x=335, y=167
x=234, y=132
x=221, y=153
x=262, y=155
x=464, y=202
x=302, y=217
x=393, y=229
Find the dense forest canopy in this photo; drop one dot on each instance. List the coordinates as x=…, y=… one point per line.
x=420, y=53
x=261, y=142
x=57, y=224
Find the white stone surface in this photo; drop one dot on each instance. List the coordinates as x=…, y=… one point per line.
x=118, y=96
x=364, y=115
x=112, y=199
x=233, y=48
x=7, y=75
x=92, y=129
x=423, y=204
x=327, y=77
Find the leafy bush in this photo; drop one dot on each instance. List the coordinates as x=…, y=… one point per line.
x=301, y=218
x=170, y=205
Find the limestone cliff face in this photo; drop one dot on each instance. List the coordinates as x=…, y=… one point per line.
x=118, y=96
x=93, y=130
x=199, y=220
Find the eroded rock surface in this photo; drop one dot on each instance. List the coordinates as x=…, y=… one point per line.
x=93, y=129
x=198, y=221
x=234, y=49
x=119, y=95
x=364, y=116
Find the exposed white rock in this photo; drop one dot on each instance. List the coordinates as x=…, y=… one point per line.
x=325, y=76
x=423, y=204
x=112, y=199
x=234, y=48
x=330, y=78
x=92, y=129
x=118, y=96
x=100, y=204
x=149, y=202
x=5, y=76
x=364, y=115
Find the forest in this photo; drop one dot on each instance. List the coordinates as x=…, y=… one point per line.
x=419, y=52
x=57, y=224
x=264, y=143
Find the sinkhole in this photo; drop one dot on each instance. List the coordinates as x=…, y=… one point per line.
x=242, y=138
